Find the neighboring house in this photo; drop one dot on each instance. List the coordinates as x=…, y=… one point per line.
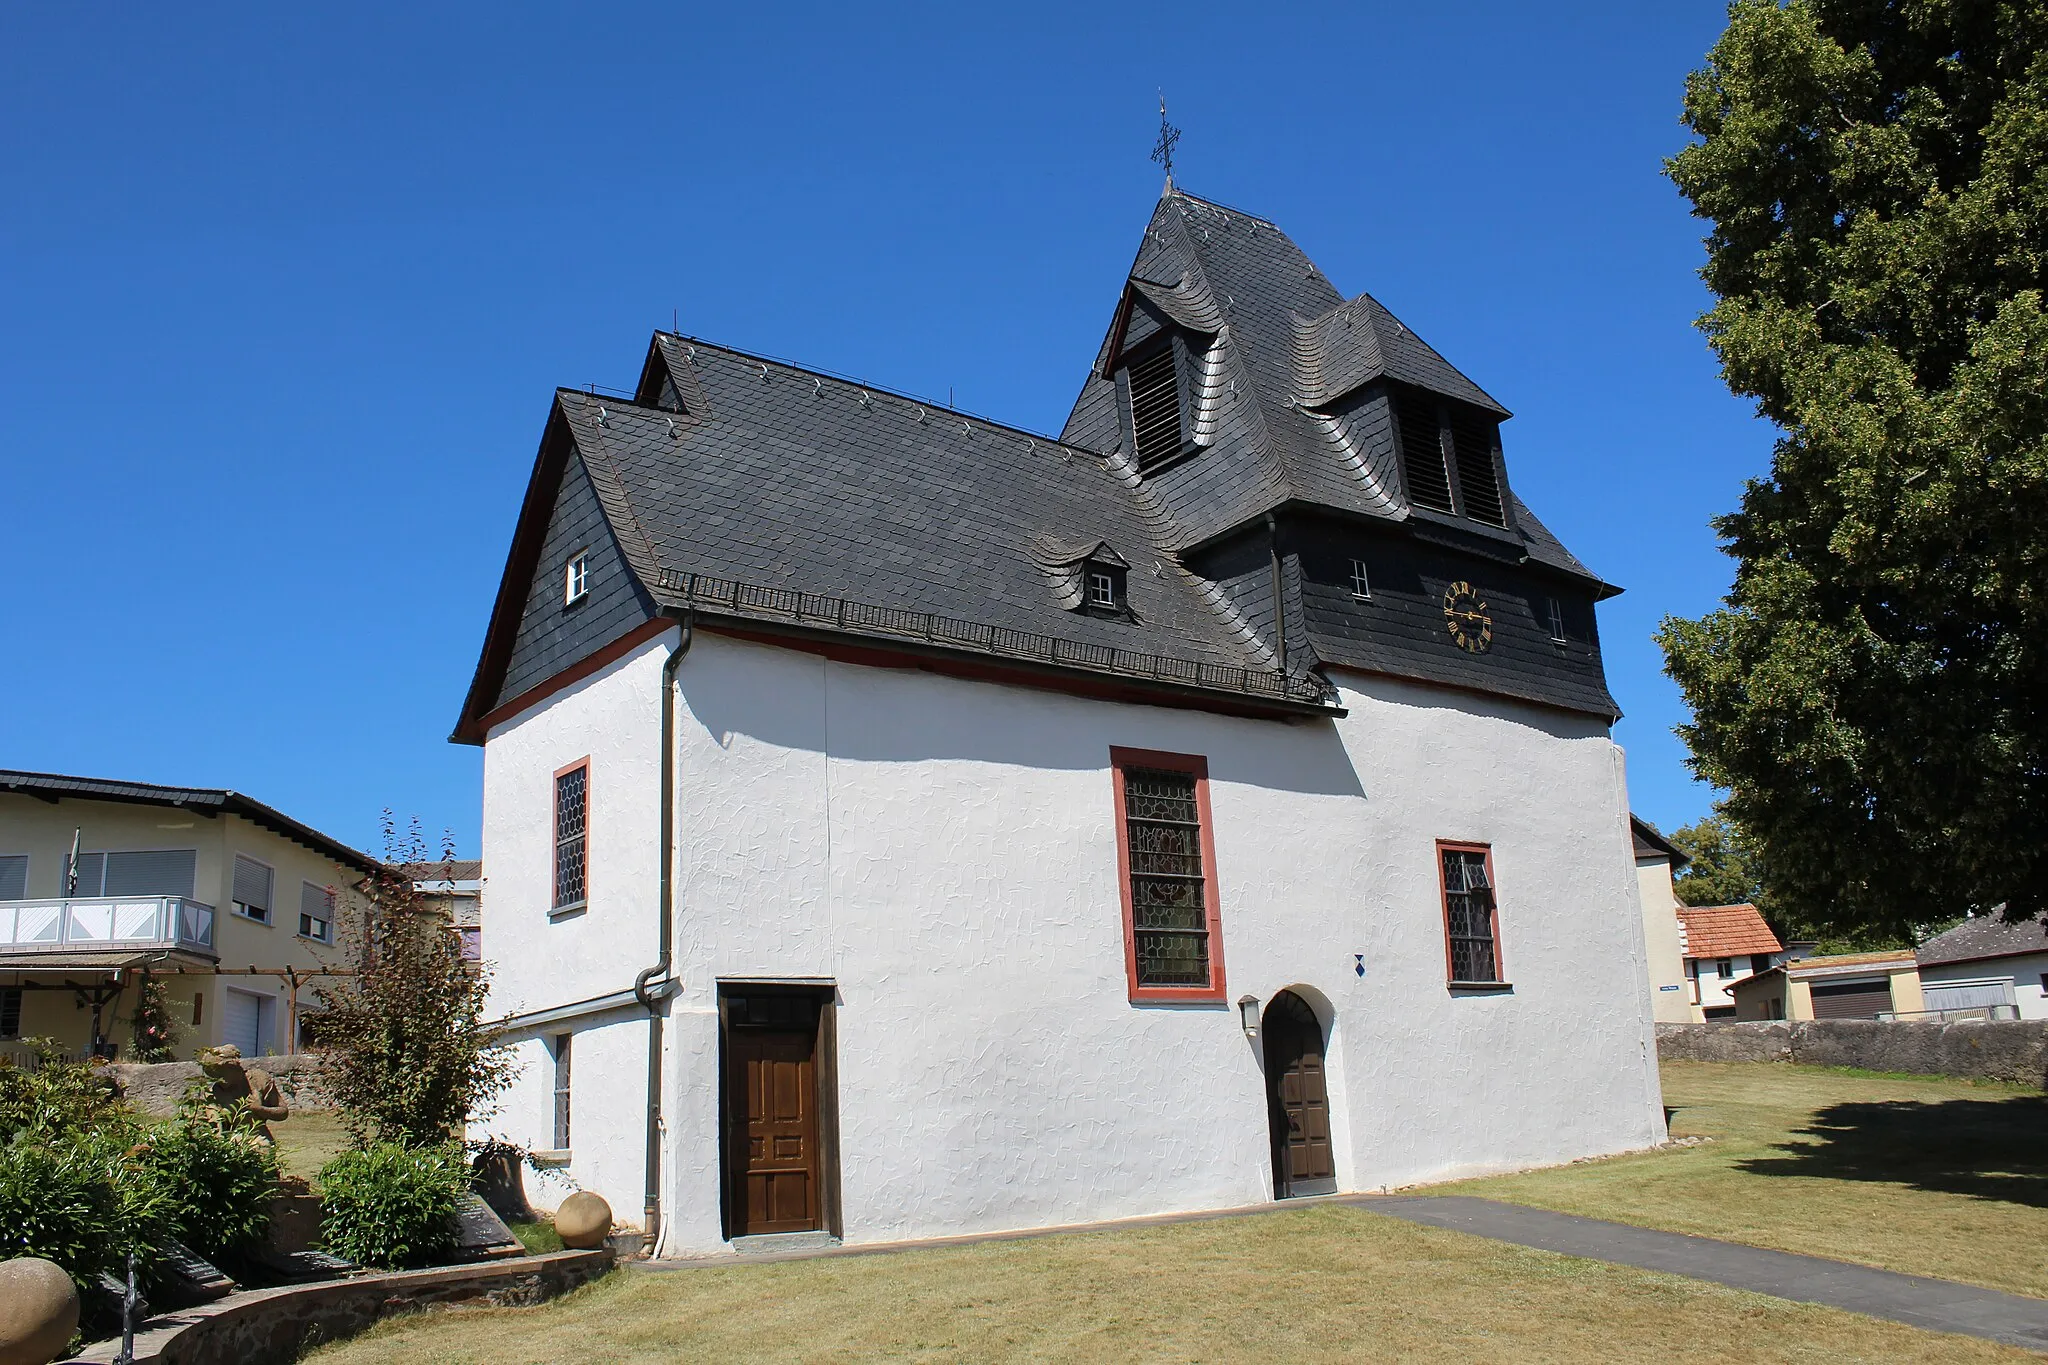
x=1723, y=944
x=455, y=892
x=1985, y=961
x=229, y=902
x=1657, y=860
x=1852, y=986
x=902, y=824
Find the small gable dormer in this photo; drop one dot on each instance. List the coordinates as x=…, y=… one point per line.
x=1085, y=576
x=667, y=379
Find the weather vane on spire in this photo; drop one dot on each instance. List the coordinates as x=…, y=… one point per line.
x=1168, y=135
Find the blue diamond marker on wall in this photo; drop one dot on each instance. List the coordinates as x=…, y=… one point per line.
x=1361, y=962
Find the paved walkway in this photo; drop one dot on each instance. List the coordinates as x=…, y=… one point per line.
x=1939, y=1305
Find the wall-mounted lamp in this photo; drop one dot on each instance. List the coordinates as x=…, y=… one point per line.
x=1248, y=1014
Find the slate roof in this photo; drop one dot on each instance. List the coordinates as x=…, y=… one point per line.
x=1649, y=843
x=209, y=800
x=743, y=488
x=780, y=492
x=1725, y=931
x=1296, y=354
x=1985, y=936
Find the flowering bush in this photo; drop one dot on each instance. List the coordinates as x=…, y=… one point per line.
x=154, y=1029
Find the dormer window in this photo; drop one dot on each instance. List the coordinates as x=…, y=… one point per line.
x=1422, y=452
x=1155, y=409
x=1103, y=587
x=1474, y=441
x=576, y=579
x=1450, y=456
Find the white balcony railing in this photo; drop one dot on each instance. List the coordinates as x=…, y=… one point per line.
x=106, y=922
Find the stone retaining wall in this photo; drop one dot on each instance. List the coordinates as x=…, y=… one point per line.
x=156, y=1087
x=1998, y=1050
x=272, y=1326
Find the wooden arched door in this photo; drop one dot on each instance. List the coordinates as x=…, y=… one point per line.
x=1297, y=1098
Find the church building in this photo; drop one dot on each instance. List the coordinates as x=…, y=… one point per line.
x=898, y=824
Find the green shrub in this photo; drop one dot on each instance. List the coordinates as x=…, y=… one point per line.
x=391, y=1206
x=220, y=1173
x=80, y=1200
x=82, y=1182
x=55, y=1097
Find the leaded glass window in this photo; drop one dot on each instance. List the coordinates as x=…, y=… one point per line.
x=571, y=822
x=1468, y=915
x=1169, y=907
x=562, y=1045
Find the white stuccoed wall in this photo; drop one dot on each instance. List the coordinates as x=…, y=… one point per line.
x=946, y=852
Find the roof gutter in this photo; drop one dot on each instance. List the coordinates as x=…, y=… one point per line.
x=654, y=983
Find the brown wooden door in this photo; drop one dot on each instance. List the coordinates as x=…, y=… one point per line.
x=772, y=1116
x=1297, y=1095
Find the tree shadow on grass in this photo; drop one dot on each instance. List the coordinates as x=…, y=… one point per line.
x=1987, y=1149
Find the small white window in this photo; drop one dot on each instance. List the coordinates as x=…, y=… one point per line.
x=1101, y=588
x=576, y=579
x=1557, y=635
x=1361, y=583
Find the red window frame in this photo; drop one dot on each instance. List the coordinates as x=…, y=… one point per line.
x=555, y=835
x=1121, y=759
x=1443, y=897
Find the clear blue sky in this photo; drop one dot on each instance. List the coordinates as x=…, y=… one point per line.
x=284, y=296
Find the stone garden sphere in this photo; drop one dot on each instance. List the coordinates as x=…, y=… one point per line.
x=583, y=1221
x=38, y=1311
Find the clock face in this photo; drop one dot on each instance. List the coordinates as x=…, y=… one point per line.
x=1465, y=616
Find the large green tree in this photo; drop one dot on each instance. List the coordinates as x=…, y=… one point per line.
x=1719, y=872
x=1871, y=695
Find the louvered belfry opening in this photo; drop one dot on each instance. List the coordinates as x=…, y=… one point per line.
x=1422, y=452
x=1473, y=439
x=1155, y=408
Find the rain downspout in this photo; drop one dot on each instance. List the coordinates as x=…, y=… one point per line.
x=1279, y=602
x=643, y=984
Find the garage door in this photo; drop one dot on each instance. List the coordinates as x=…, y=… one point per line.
x=1852, y=999
x=245, y=1021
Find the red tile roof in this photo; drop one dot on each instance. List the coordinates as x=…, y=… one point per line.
x=1725, y=931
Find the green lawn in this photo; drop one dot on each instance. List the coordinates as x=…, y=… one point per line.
x=308, y=1140
x=1330, y=1283
x=1921, y=1174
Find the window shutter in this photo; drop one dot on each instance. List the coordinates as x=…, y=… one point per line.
x=316, y=901
x=14, y=877
x=1473, y=439
x=1422, y=452
x=252, y=883
x=91, y=873
x=1155, y=408
x=157, y=872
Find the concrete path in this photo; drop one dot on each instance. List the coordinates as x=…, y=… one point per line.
x=1938, y=1305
